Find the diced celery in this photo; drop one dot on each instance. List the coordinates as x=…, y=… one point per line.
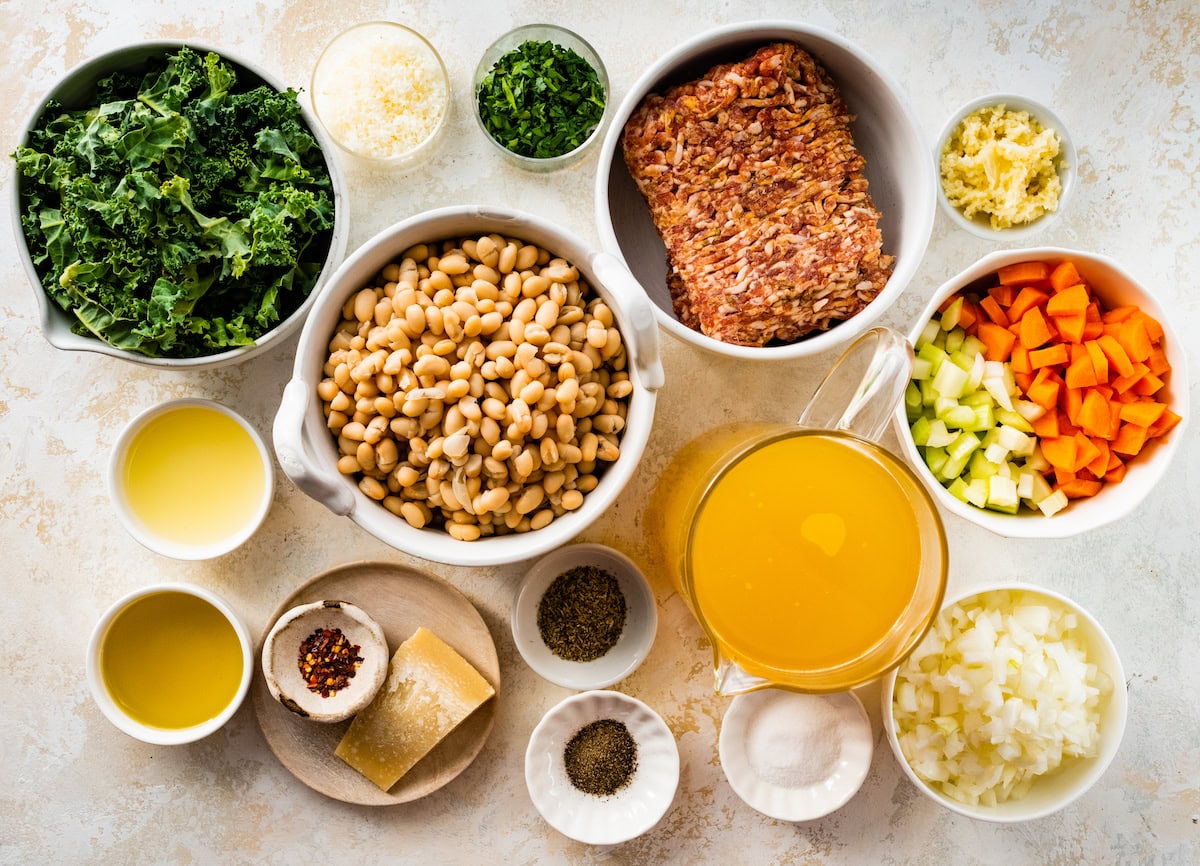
x=931, y=330
x=1002, y=494
x=1013, y=419
x=983, y=418
x=1053, y=503
x=972, y=346
x=921, y=369
x=991, y=436
x=927, y=392
x=996, y=453
x=943, y=405
x=981, y=467
x=953, y=466
x=960, y=417
x=965, y=361
x=950, y=381
x=935, y=459
x=958, y=489
x=976, y=398
x=920, y=431
x=931, y=353
x=964, y=445
x=977, y=491
x=952, y=314
x=939, y=436
x=954, y=337
x=912, y=401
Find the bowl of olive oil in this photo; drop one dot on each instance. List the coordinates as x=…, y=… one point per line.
x=169, y=664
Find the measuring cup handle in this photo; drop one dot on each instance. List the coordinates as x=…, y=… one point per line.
x=889, y=360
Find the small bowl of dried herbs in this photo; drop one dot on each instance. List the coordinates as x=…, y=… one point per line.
x=584, y=617
x=324, y=661
x=541, y=96
x=602, y=767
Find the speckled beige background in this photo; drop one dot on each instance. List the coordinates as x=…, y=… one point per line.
x=1124, y=76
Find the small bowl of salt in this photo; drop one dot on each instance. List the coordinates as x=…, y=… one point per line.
x=796, y=757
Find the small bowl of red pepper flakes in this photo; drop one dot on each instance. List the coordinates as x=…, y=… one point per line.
x=325, y=660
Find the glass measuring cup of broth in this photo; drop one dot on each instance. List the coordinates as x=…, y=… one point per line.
x=812, y=557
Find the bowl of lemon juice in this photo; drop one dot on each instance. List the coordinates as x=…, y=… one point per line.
x=191, y=479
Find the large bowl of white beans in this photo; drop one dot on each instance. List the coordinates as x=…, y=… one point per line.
x=474, y=386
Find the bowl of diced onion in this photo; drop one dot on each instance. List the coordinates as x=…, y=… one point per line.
x=1011, y=708
x=974, y=433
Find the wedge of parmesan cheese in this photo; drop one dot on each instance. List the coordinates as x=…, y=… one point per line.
x=429, y=691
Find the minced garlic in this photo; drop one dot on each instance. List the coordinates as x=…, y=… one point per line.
x=1001, y=164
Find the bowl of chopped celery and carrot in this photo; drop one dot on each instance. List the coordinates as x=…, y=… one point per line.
x=1048, y=396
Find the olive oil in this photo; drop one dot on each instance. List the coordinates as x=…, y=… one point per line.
x=193, y=476
x=171, y=660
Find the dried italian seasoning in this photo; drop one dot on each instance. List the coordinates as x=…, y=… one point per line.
x=601, y=758
x=328, y=661
x=582, y=614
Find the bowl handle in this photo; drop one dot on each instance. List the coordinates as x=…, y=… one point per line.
x=296, y=458
x=643, y=342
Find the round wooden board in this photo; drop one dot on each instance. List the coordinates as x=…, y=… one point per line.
x=400, y=599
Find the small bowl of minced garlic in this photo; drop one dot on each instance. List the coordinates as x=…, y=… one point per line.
x=1006, y=167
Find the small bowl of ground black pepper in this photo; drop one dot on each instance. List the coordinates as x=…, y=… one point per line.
x=541, y=96
x=324, y=661
x=584, y=617
x=602, y=767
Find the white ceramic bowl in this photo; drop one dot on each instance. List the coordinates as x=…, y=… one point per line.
x=559, y=36
x=372, y=39
x=1114, y=286
x=885, y=131
x=641, y=618
x=75, y=90
x=633, y=809
x=1065, y=164
x=856, y=745
x=147, y=733
x=1059, y=789
x=146, y=535
x=308, y=453
x=280, y=660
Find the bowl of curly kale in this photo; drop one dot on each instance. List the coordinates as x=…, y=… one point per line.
x=177, y=208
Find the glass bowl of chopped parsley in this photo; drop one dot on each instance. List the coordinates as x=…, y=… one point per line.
x=541, y=96
x=175, y=207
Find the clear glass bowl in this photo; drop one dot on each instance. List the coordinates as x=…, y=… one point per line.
x=373, y=41
x=561, y=37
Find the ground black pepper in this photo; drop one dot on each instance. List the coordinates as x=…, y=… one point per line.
x=328, y=661
x=601, y=758
x=582, y=614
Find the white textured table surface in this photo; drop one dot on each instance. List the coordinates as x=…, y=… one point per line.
x=1126, y=81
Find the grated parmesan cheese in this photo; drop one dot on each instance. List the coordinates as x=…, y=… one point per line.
x=1001, y=164
x=380, y=91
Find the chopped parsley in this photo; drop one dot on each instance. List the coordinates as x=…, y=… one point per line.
x=541, y=100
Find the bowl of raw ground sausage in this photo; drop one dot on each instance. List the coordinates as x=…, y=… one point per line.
x=768, y=186
x=474, y=387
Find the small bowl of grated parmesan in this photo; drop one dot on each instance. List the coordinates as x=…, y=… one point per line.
x=1006, y=167
x=382, y=93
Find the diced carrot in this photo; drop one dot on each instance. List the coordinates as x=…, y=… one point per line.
x=1023, y=272
x=1119, y=314
x=1064, y=276
x=1143, y=412
x=1026, y=300
x=1085, y=452
x=1164, y=424
x=1080, y=488
x=1081, y=373
x=1068, y=301
x=968, y=317
x=1116, y=355
x=997, y=341
x=1002, y=295
x=1129, y=441
x=1147, y=385
x=1093, y=311
x=1034, y=330
x=1072, y=327
x=1045, y=426
x=1099, y=360
x=1062, y=476
x=1116, y=471
x=1091, y=330
x=1153, y=328
x=1059, y=451
x=1158, y=363
x=1072, y=402
x=1100, y=465
x=1043, y=390
x=1134, y=339
x=1019, y=359
x=1094, y=416
x=1114, y=419
x=992, y=310
x=1066, y=427
x=1121, y=384
x=1048, y=357
x=1024, y=381
x=1077, y=351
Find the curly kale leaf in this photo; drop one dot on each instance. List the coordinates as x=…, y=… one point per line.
x=178, y=215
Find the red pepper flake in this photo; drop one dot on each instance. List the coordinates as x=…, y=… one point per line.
x=328, y=661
